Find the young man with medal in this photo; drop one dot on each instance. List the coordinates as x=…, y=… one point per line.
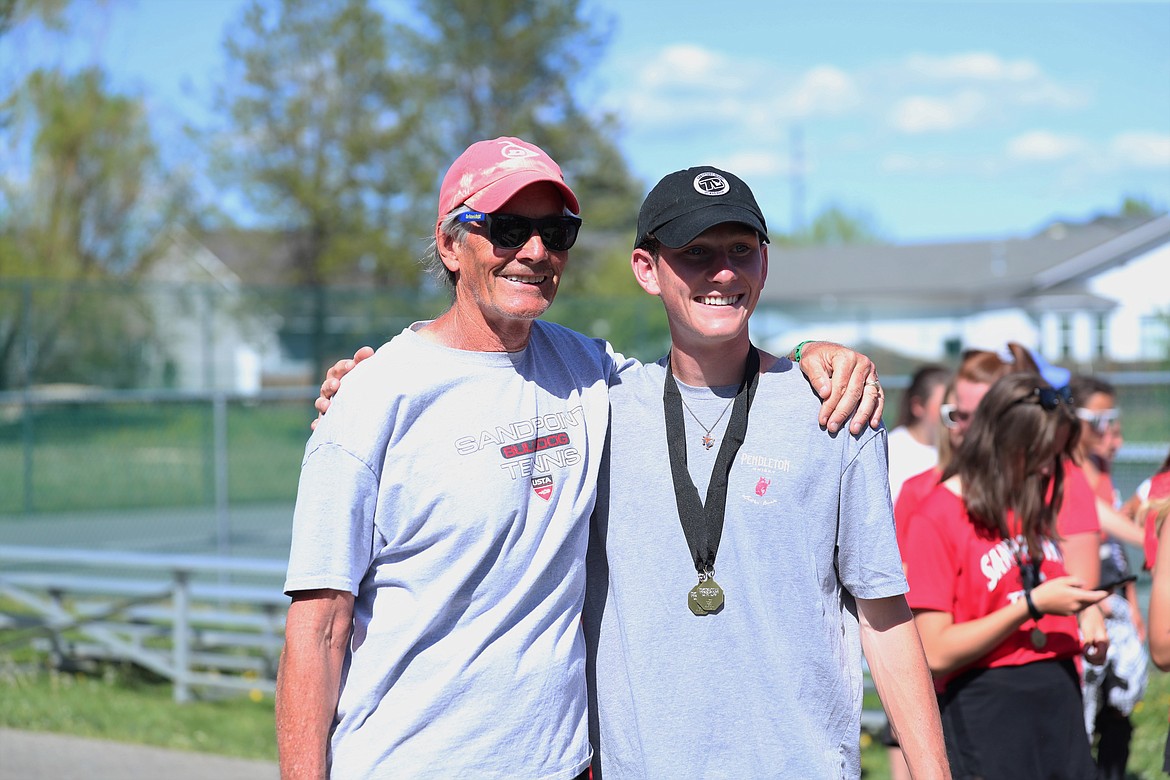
x=740, y=557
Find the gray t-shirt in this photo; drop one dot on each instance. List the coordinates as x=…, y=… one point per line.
x=450, y=490
x=772, y=685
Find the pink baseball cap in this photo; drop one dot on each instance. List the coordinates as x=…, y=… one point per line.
x=489, y=173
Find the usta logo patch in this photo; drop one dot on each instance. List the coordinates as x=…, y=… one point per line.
x=543, y=486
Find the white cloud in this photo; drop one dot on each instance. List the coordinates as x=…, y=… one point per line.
x=688, y=66
x=755, y=164
x=1141, y=150
x=822, y=90
x=925, y=114
x=688, y=75
x=1132, y=149
x=1045, y=146
x=1002, y=86
x=976, y=66
x=685, y=88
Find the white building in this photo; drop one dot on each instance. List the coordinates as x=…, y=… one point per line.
x=1081, y=294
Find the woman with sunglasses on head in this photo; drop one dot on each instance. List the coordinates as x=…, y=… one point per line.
x=992, y=599
x=1115, y=684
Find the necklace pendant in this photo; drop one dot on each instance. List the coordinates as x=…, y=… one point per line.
x=708, y=442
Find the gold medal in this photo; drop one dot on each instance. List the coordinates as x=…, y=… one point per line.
x=1039, y=638
x=710, y=595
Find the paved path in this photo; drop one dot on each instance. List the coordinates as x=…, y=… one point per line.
x=27, y=755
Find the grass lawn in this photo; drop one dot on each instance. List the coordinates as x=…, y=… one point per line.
x=127, y=706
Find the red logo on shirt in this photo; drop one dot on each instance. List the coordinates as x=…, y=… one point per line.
x=543, y=486
x=762, y=486
x=522, y=448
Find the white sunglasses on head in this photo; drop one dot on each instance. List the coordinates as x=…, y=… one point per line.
x=1100, y=421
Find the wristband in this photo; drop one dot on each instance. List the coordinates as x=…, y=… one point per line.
x=799, y=347
x=1035, y=613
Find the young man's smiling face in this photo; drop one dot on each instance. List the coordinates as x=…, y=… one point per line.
x=710, y=286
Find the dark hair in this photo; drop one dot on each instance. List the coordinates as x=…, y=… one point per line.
x=1085, y=387
x=1011, y=438
x=651, y=245
x=922, y=384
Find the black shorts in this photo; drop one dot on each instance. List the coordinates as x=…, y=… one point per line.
x=1166, y=755
x=1019, y=722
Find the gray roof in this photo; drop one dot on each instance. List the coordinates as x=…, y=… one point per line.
x=1046, y=272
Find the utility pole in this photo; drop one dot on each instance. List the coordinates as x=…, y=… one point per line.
x=796, y=177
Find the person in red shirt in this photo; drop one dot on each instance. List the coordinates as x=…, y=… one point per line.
x=1114, y=686
x=994, y=604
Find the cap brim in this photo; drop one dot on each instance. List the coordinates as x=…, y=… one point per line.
x=683, y=229
x=500, y=192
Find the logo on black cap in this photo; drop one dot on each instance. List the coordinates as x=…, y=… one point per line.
x=709, y=183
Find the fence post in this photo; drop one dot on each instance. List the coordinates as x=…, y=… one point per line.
x=220, y=463
x=181, y=636
x=27, y=426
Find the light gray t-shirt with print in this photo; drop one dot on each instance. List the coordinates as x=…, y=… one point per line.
x=771, y=686
x=450, y=490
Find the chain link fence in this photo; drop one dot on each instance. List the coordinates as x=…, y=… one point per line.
x=172, y=418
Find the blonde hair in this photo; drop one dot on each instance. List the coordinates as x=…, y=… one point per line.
x=1157, y=512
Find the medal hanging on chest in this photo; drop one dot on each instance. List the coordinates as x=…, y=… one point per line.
x=702, y=523
x=706, y=597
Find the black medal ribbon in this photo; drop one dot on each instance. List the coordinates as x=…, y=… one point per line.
x=702, y=523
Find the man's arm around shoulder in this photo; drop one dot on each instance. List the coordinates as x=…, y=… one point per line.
x=316, y=634
x=900, y=674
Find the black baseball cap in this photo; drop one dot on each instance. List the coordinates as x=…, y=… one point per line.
x=685, y=203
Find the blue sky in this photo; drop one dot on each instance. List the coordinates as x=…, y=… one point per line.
x=940, y=120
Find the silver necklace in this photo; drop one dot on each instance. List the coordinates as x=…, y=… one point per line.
x=708, y=440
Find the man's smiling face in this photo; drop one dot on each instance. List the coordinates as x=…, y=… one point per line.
x=503, y=287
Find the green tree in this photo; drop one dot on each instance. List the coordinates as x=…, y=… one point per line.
x=88, y=202
x=317, y=133
x=837, y=225
x=1138, y=207
x=320, y=143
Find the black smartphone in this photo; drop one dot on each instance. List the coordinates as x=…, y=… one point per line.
x=1115, y=584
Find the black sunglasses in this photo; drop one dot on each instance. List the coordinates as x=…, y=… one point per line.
x=511, y=231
